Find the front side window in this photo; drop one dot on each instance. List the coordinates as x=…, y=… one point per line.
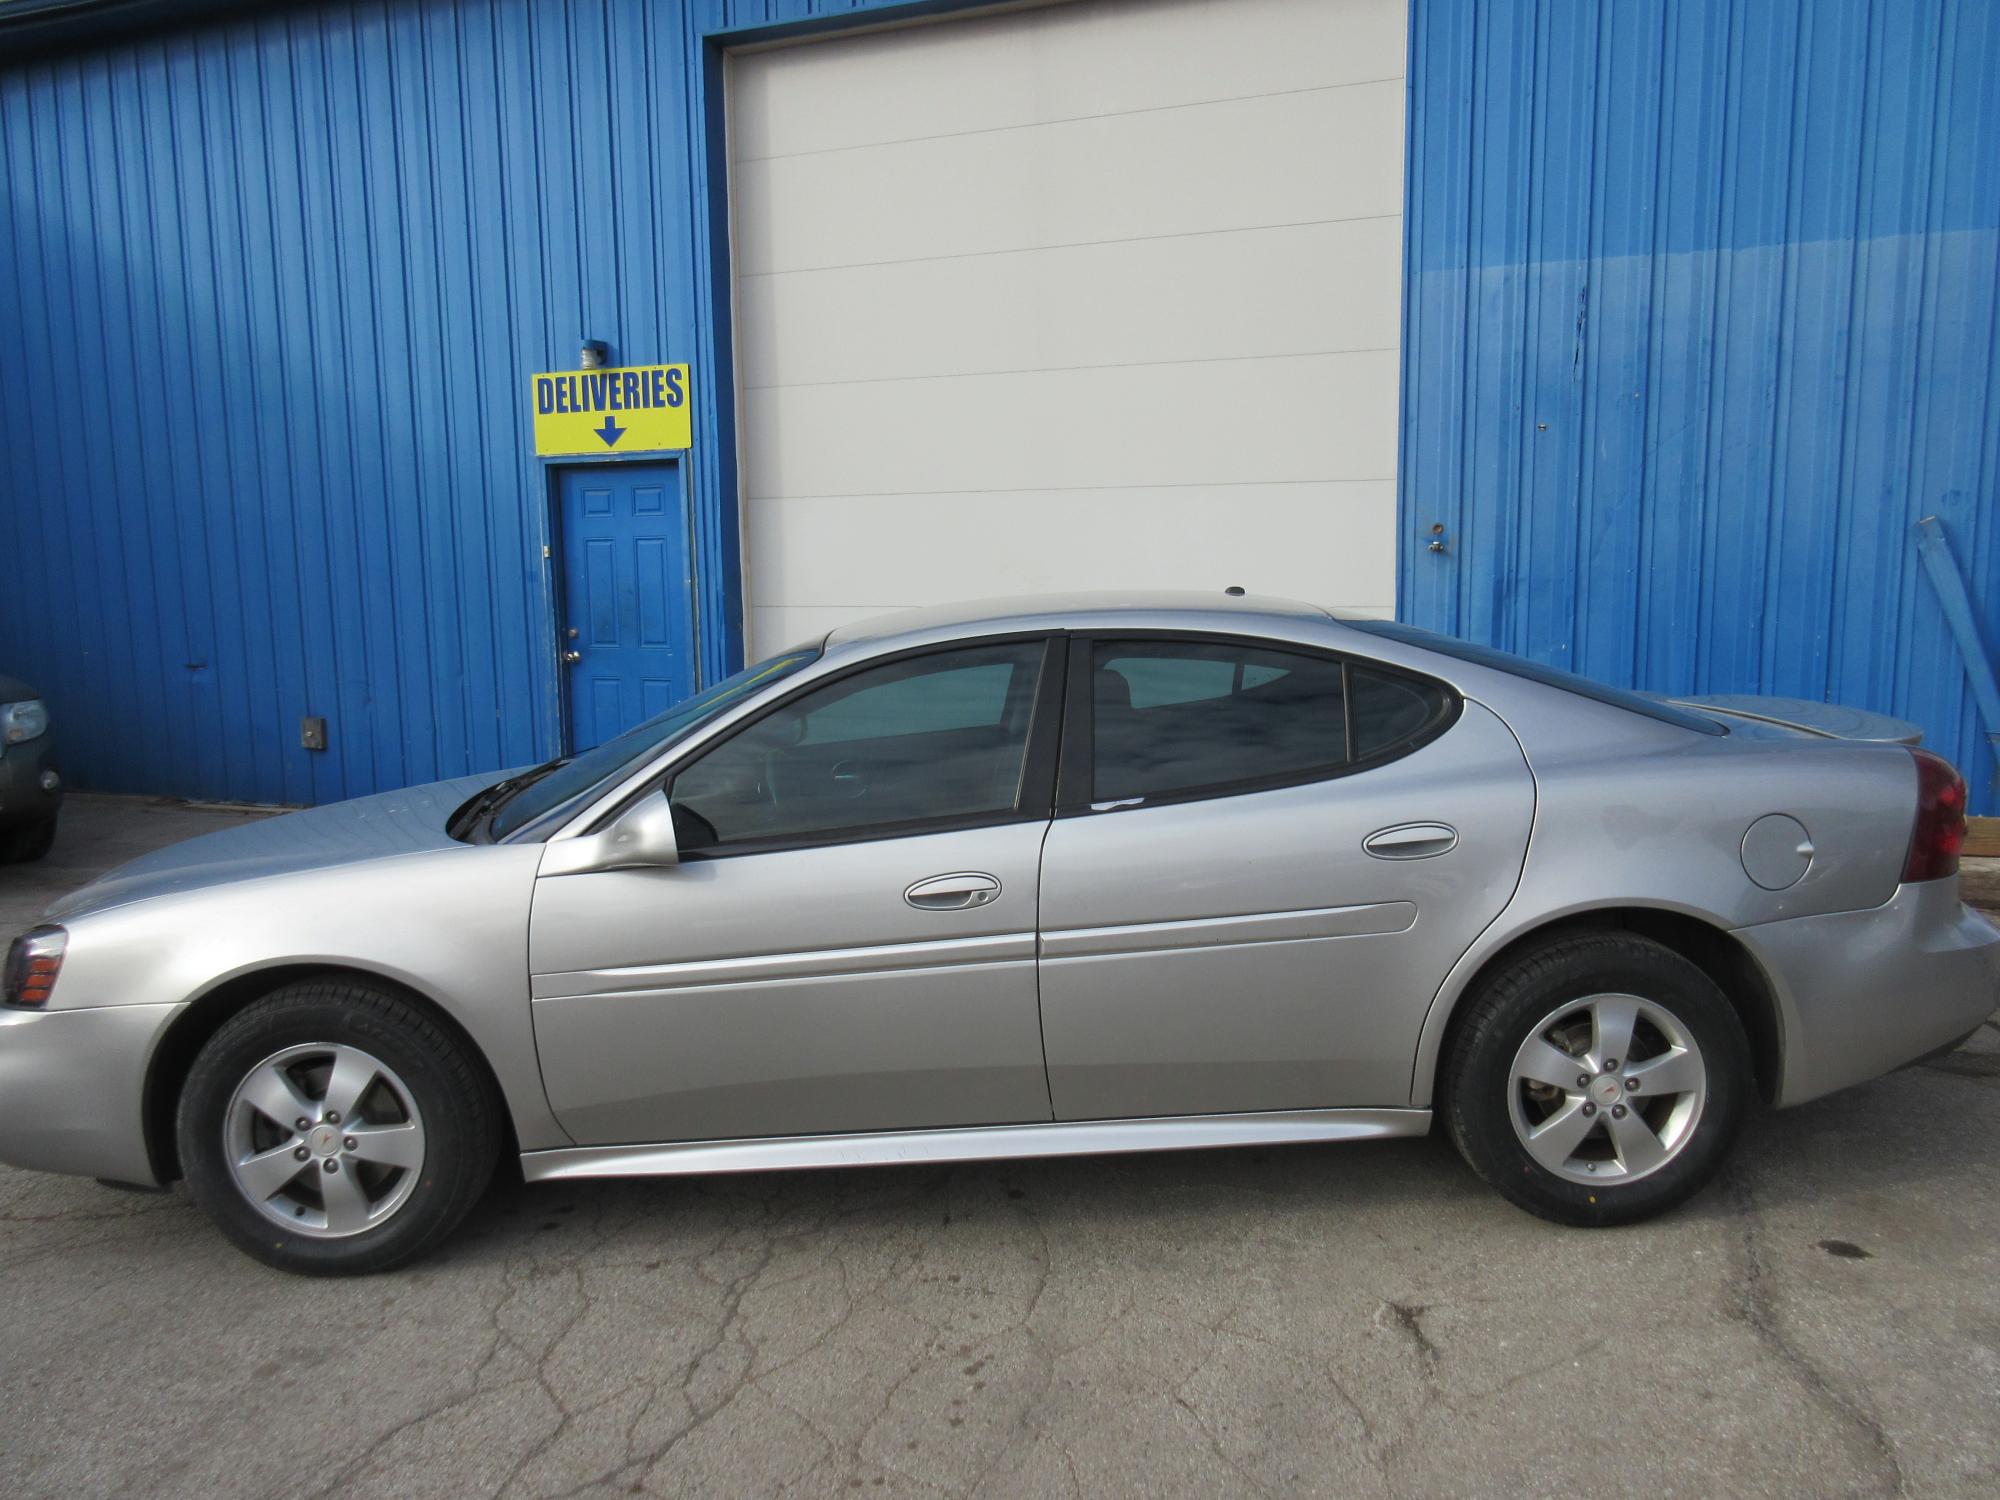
x=941, y=738
x=570, y=779
x=1176, y=717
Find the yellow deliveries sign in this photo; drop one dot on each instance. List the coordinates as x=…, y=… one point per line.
x=637, y=409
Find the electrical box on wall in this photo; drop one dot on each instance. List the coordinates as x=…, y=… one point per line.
x=312, y=733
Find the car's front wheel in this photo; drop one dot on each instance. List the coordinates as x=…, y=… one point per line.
x=333, y=1128
x=1597, y=1080
x=27, y=843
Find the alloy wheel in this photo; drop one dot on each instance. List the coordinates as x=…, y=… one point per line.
x=324, y=1139
x=1607, y=1089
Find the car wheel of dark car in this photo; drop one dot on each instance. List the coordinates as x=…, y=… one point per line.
x=1597, y=1080
x=28, y=842
x=332, y=1128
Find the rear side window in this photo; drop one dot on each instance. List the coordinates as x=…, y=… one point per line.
x=1177, y=717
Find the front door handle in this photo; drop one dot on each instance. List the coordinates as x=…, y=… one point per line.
x=572, y=656
x=1412, y=841
x=958, y=892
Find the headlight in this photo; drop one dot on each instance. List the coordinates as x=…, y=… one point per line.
x=33, y=962
x=25, y=720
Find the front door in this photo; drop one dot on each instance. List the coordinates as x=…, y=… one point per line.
x=1265, y=863
x=848, y=941
x=627, y=626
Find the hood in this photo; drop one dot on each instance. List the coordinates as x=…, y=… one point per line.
x=406, y=822
x=1831, y=720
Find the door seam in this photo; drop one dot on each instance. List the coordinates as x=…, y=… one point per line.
x=1041, y=1025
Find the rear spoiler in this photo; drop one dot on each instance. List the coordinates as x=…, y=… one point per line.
x=1827, y=720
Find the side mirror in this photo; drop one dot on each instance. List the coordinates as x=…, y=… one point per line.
x=643, y=839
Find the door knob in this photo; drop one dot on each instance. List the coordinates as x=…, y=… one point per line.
x=572, y=657
x=967, y=888
x=1412, y=841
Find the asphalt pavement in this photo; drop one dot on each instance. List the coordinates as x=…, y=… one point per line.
x=1342, y=1320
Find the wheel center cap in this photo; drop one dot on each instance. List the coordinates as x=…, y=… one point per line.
x=324, y=1140
x=1607, y=1090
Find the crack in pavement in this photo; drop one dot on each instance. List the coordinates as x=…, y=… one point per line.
x=1092, y=1306
x=1755, y=1305
x=1409, y=1317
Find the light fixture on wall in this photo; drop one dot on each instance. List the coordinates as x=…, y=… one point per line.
x=594, y=355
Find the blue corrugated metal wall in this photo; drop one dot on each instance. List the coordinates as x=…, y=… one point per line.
x=1701, y=316
x=1700, y=319
x=269, y=292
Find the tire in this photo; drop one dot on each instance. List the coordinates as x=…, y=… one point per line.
x=29, y=842
x=388, y=1195
x=1571, y=995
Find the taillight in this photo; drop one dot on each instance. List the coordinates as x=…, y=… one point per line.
x=33, y=962
x=1940, y=827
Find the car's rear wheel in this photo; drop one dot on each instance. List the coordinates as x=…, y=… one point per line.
x=1597, y=1080
x=333, y=1128
x=28, y=842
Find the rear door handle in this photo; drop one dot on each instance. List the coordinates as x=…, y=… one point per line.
x=958, y=892
x=1412, y=841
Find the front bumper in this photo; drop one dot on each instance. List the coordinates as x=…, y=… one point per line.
x=72, y=1084
x=23, y=798
x=1863, y=992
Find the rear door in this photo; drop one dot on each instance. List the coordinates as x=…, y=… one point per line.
x=848, y=942
x=1265, y=860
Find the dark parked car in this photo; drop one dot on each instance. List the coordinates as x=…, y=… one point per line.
x=31, y=787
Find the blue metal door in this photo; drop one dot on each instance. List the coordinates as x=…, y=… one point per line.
x=627, y=631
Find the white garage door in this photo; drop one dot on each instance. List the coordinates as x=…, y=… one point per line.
x=1100, y=295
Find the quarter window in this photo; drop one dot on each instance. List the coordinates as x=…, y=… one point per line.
x=1387, y=710
x=1174, y=717
x=937, y=738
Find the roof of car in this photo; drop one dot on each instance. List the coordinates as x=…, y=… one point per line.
x=1081, y=610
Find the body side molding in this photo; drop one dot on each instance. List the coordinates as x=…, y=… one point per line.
x=1372, y=920
x=641, y=980
x=981, y=1143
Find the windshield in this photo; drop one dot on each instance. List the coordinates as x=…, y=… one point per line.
x=1534, y=671
x=617, y=755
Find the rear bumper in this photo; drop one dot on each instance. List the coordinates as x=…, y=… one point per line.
x=71, y=1089
x=1861, y=993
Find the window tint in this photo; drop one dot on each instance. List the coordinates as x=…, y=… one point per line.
x=1176, y=716
x=926, y=739
x=1386, y=711
x=1153, y=680
x=571, y=779
x=965, y=698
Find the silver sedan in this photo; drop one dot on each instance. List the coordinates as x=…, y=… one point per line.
x=1023, y=879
